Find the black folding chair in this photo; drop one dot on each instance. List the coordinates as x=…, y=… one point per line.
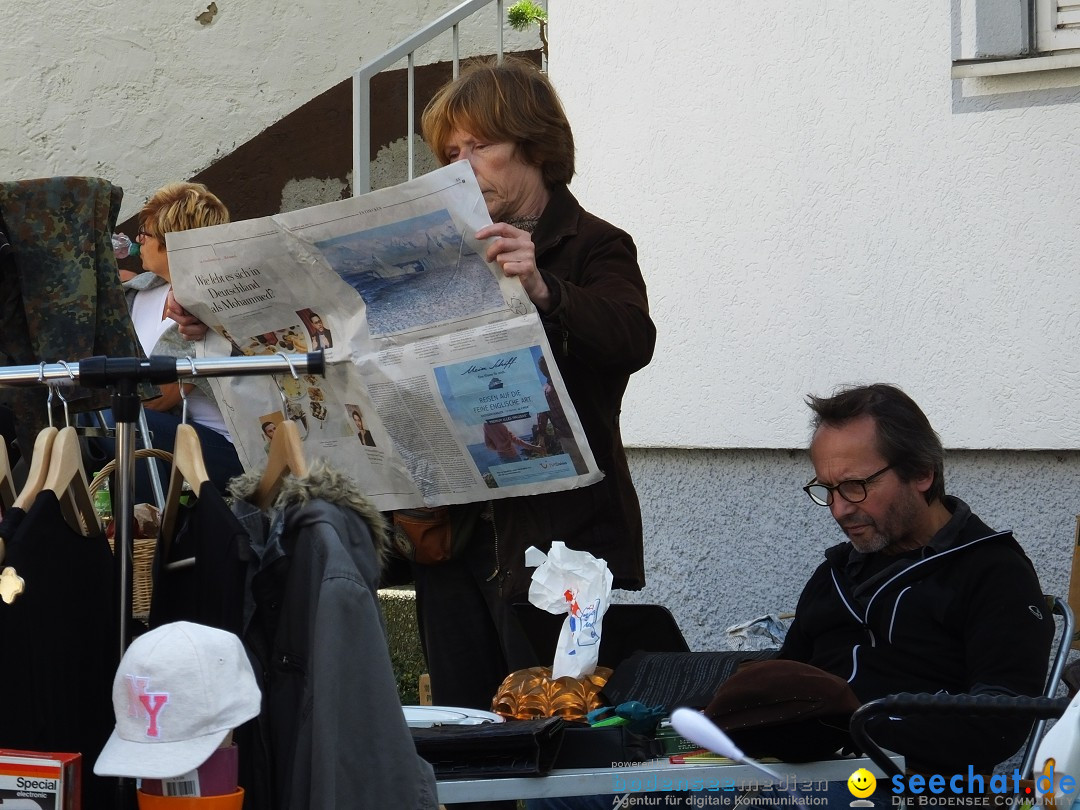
x=1041, y=708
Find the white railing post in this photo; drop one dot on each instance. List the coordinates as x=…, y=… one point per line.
x=411, y=117
x=498, y=21
x=362, y=77
x=361, y=179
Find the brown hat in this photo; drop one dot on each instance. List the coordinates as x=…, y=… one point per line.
x=784, y=709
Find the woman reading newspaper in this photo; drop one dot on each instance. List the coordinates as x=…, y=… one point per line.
x=582, y=275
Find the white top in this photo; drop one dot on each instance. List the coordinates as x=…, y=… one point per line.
x=147, y=311
x=148, y=315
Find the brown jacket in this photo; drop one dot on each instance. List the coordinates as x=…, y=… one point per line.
x=600, y=333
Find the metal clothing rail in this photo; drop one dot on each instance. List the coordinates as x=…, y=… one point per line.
x=123, y=375
x=107, y=371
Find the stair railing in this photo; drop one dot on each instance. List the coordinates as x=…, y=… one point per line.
x=362, y=77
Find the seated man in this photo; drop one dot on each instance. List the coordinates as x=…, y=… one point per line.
x=924, y=597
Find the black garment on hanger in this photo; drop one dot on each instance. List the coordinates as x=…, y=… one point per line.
x=211, y=591
x=61, y=643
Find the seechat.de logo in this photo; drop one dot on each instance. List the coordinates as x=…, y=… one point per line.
x=1005, y=790
x=862, y=784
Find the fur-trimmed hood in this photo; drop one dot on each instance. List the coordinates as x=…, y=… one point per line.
x=314, y=630
x=323, y=482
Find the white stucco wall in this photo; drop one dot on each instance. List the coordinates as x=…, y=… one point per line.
x=143, y=93
x=816, y=202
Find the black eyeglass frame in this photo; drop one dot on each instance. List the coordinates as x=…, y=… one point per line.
x=845, y=483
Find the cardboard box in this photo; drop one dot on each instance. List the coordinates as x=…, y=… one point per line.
x=36, y=780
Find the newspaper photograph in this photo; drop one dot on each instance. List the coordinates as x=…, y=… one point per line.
x=440, y=385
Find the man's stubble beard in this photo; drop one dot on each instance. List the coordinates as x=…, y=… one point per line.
x=899, y=522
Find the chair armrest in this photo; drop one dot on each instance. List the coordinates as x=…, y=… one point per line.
x=908, y=703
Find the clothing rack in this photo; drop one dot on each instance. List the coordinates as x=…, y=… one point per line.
x=123, y=375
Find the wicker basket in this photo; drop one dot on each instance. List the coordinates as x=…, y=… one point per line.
x=143, y=547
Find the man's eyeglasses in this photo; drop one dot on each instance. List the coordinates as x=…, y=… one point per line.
x=852, y=490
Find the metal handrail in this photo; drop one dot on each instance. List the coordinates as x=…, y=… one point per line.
x=362, y=77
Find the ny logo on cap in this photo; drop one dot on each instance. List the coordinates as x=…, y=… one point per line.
x=143, y=703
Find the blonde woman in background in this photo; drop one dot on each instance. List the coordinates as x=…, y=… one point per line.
x=175, y=207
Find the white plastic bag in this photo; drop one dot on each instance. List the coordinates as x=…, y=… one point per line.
x=578, y=584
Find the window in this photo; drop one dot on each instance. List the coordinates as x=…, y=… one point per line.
x=1000, y=37
x=1057, y=24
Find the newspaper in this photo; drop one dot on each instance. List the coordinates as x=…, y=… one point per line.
x=440, y=386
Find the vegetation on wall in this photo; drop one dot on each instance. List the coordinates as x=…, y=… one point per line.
x=525, y=13
x=399, y=615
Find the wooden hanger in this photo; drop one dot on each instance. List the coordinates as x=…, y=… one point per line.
x=39, y=468
x=188, y=465
x=67, y=478
x=35, y=478
x=286, y=456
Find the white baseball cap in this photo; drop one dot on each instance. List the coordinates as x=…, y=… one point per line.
x=179, y=690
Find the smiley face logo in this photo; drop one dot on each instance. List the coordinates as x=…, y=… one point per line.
x=861, y=783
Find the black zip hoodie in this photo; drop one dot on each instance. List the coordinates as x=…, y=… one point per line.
x=962, y=615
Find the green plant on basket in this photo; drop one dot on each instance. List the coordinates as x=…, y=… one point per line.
x=523, y=14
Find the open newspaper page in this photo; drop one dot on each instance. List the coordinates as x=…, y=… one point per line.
x=440, y=384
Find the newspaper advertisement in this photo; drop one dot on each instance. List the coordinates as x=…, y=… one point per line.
x=440, y=385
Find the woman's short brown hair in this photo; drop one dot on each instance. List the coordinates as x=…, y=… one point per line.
x=181, y=207
x=510, y=101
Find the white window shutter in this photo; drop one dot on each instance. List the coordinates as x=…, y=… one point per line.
x=1057, y=24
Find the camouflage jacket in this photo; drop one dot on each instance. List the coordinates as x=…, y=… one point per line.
x=60, y=293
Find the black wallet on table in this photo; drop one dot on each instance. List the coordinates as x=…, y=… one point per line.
x=513, y=748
